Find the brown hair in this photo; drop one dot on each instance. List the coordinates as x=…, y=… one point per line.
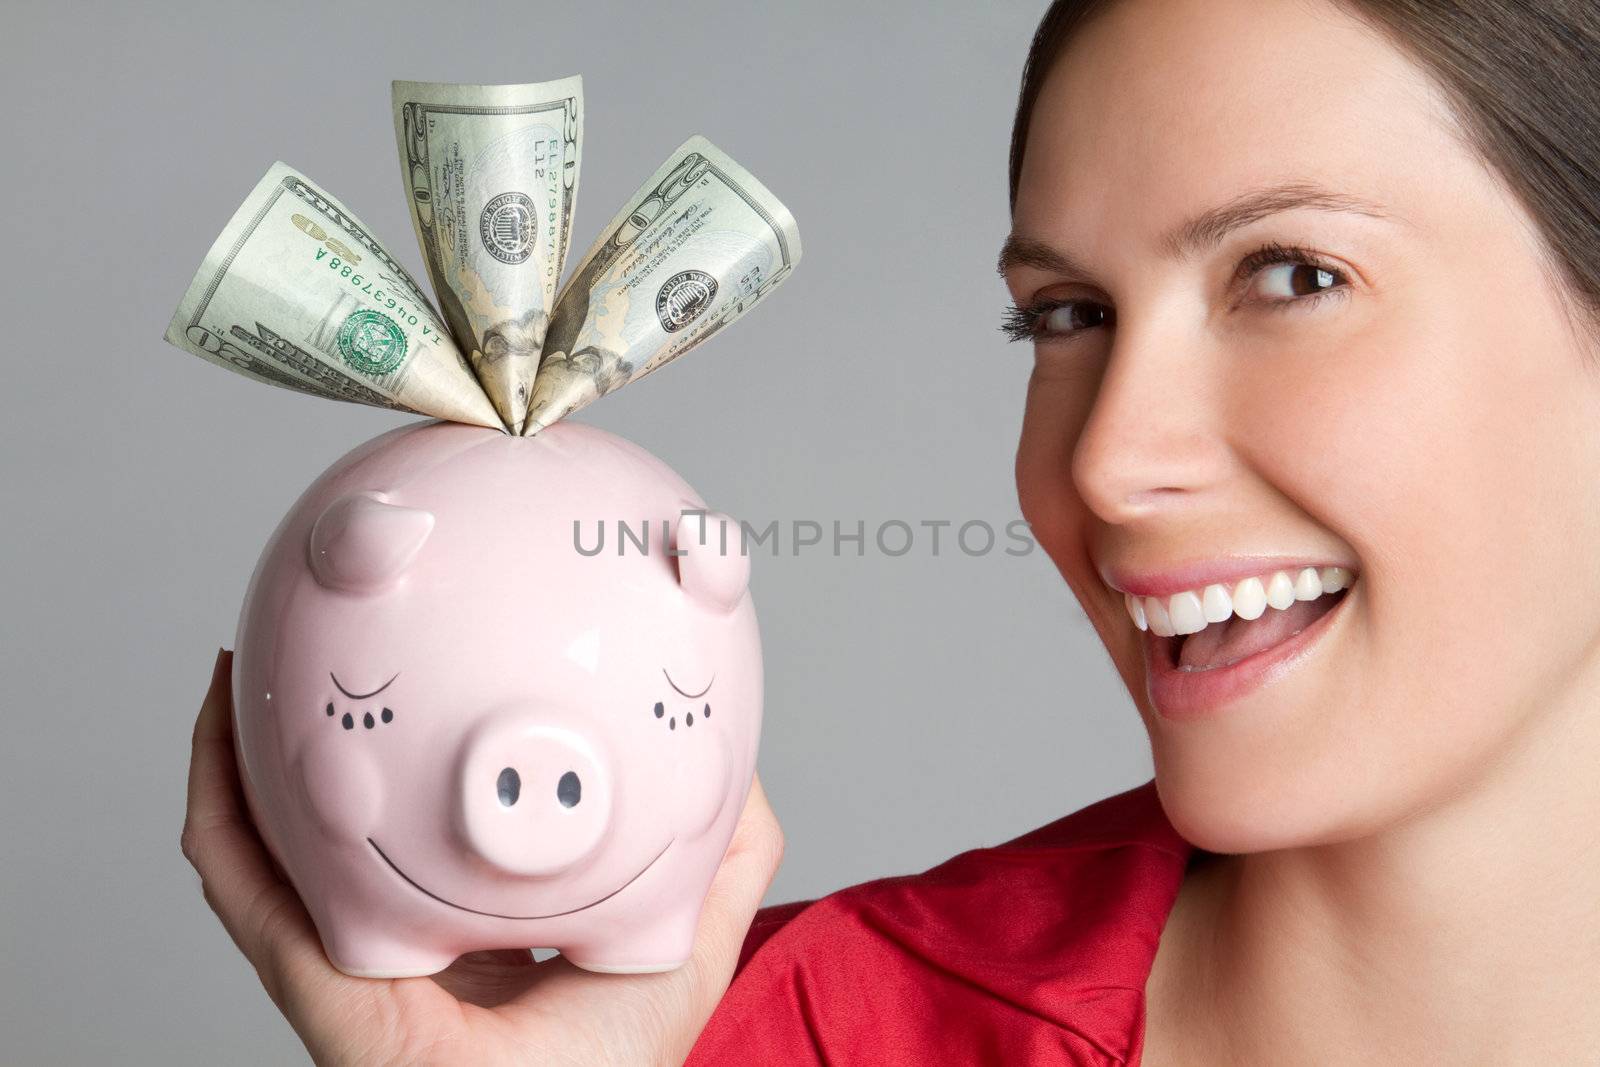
x=1523, y=77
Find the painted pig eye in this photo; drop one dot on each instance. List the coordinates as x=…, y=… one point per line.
x=681, y=691
x=367, y=719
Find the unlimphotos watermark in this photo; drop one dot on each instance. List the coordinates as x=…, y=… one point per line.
x=891, y=537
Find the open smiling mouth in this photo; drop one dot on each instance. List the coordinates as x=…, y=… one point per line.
x=1194, y=676
x=497, y=915
x=1222, y=645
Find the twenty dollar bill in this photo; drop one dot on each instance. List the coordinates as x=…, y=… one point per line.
x=699, y=245
x=298, y=293
x=491, y=177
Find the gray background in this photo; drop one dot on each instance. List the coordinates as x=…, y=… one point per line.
x=916, y=706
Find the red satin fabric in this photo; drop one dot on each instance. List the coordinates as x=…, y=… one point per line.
x=1032, y=952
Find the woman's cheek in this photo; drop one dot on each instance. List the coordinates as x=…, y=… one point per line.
x=1054, y=415
x=1321, y=408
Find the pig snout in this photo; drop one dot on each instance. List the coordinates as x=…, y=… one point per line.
x=534, y=796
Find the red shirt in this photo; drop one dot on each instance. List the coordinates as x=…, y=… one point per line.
x=1034, y=951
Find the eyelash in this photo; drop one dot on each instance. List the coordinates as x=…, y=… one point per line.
x=1023, y=323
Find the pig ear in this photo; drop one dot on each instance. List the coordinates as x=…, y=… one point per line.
x=712, y=567
x=362, y=544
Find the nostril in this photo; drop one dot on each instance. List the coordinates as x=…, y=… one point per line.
x=569, y=789
x=510, y=786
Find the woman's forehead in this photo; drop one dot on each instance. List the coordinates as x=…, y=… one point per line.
x=1162, y=109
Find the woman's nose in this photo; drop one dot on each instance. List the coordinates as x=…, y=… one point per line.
x=1152, y=441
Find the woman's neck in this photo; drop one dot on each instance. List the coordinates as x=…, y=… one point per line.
x=1468, y=933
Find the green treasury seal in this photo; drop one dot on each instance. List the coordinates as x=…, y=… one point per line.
x=372, y=342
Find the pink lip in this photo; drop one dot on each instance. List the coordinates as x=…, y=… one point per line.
x=1183, y=695
x=1207, y=572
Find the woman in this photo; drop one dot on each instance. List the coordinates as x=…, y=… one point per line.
x=1313, y=289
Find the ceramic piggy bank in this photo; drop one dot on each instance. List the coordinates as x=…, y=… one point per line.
x=461, y=727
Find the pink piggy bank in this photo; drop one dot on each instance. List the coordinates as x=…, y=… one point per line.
x=460, y=727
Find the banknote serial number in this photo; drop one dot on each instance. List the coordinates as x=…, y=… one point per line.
x=345, y=270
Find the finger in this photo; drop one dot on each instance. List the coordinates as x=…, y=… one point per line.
x=260, y=911
x=211, y=787
x=747, y=870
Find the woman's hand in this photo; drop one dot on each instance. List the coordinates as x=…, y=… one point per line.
x=488, y=1007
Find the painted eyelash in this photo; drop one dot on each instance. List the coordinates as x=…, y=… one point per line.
x=1023, y=322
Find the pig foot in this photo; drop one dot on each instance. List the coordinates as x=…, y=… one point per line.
x=371, y=954
x=664, y=946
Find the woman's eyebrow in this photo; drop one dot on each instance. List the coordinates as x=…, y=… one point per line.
x=1019, y=251
x=1206, y=230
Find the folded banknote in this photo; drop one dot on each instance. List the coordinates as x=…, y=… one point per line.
x=298, y=292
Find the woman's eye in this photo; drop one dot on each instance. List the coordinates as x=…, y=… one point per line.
x=1072, y=316
x=1289, y=281
x=1054, y=319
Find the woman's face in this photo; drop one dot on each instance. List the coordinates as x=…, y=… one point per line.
x=1368, y=364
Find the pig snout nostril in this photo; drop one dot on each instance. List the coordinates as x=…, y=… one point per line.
x=569, y=790
x=531, y=797
x=509, y=786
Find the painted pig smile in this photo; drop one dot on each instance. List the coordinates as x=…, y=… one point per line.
x=497, y=915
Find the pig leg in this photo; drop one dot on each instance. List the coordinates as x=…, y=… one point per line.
x=664, y=945
x=362, y=949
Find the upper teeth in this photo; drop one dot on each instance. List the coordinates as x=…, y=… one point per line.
x=1192, y=610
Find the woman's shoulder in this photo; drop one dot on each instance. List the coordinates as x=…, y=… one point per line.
x=1036, y=947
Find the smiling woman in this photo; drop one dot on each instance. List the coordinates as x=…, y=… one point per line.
x=1311, y=289
x=1310, y=434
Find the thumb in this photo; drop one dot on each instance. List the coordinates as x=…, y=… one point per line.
x=741, y=881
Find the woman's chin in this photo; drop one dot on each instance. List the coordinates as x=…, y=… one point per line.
x=1216, y=809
